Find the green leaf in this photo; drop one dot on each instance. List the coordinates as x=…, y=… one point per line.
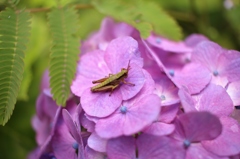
x=64, y=53
x=14, y=34
x=38, y=42
x=146, y=16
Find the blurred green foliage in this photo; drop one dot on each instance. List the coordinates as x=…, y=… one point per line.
x=208, y=17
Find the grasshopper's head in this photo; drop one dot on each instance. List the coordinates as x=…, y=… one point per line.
x=125, y=70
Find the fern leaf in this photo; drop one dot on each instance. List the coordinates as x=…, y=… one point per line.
x=14, y=34
x=146, y=16
x=64, y=53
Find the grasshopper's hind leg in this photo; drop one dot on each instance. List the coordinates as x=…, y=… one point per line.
x=125, y=82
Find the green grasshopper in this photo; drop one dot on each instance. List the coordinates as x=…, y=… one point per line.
x=111, y=82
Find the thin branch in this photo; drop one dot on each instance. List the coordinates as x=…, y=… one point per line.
x=35, y=10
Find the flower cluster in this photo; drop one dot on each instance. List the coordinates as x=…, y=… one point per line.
x=144, y=98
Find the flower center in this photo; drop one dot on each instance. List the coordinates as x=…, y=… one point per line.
x=158, y=40
x=123, y=109
x=163, y=97
x=215, y=73
x=186, y=143
x=171, y=73
x=75, y=145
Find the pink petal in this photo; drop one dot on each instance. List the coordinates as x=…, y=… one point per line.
x=227, y=143
x=168, y=113
x=207, y=54
x=86, y=123
x=194, y=39
x=168, y=45
x=139, y=114
x=156, y=147
x=199, y=126
x=135, y=76
x=148, y=87
x=93, y=66
x=196, y=151
x=233, y=67
x=80, y=84
x=120, y=51
x=159, y=129
x=193, y=76
x=167, y=91
x=215, y=100
x=70, y=125
x=91, y=154
x=186, y=100
x=97, y=143
x=233, y=91
x=45, y=81
x=121, y=148
x=100, y=104
x=62, y=144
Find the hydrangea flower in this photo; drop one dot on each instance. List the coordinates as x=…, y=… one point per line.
x=133, y=115
x=179, y=103
x=99, y=64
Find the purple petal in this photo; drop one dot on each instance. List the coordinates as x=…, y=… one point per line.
x=196, y=151
x=86, y=123
x=233, y=67
x=97, y=143
x=167, y=91
x=168, y=113
x=139, y=114
x=80, y=84
x=159, y=129
x=207, y=54
x=156, y=147
x=233, y=91
x=93, y=66
x=100, y=104
x=45, y=81
x=215, y=100
x=62, y=144
x=198, y=126
x=135, y=76
x=193, y=76
x=46, y=107
x=168, y=45
x=91, y=154
x=186, y=100
x=120, y=51
x=228, y=143
x=194, y=39
x=42, y=128
x=71, y=125
x=121, y=148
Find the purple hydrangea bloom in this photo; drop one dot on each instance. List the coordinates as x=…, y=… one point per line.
x=133, y=115
x=194, y=128
x=222, y=65
x=219, y=104
x=163, y=125
x=109, y=30
x=99, y=64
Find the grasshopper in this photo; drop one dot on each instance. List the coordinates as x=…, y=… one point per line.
x=111, y=82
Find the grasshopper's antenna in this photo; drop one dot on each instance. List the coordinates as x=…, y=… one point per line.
x=128, y=68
